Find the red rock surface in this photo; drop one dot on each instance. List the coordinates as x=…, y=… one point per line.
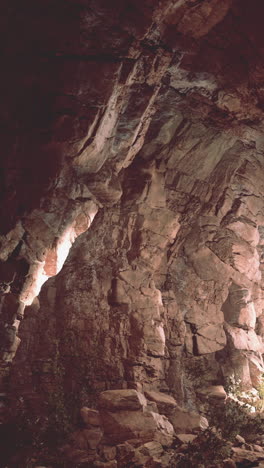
x=136, y=127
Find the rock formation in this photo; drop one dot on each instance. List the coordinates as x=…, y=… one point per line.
x=132, y=220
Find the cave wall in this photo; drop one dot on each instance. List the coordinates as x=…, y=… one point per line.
x=137, y=127
x=169, y=274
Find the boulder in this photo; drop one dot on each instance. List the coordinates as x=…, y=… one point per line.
x=186, y=422
x=116, y=400
x=152, y=449
x=214, y=391
x=87, y=438
x=165, y=403
x=165, y=431
x=108, y=452
x=121, y=426
x=245, y=456
x=240, y=440
x=185, y=438
x=90, y=416
x=151, y=406
x=229, y=463
x=258, y=448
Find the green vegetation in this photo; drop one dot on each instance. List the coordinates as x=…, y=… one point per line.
x=253, y=398
x=208, y=449
x=239, y=414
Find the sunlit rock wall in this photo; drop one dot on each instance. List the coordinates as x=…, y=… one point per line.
x=164, y=290
x=141, y=124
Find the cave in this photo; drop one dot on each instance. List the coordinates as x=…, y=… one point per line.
x=132, y=234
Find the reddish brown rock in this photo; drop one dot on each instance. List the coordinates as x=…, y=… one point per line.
x=242, y=455
x=132, y=137
x=90, y=416
x=185, y=438
x=186, y=422
x=216, y=392
x=87, y=438
x=108, y=452
x=165, y=403
x=115, y=400
x=125, y=425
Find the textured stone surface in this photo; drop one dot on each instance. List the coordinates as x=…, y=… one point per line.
x=87, y=438
x=165, y=403
x=242, y=455
x=121, y=400
x=125, y=425
x=90, y=416
x=131, y=136
x=214, y=391
x=185, y=438
x=185, y=422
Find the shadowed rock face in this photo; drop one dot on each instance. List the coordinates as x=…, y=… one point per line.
x=138, y=125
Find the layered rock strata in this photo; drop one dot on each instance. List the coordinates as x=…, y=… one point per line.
x=148, y=145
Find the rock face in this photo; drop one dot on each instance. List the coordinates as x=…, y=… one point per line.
x=132, y=137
